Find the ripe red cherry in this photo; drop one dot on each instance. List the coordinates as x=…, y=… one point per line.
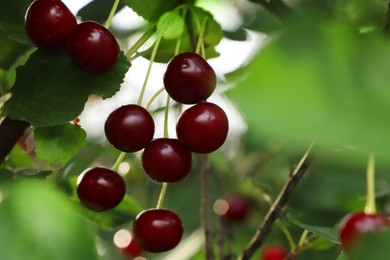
x=238, y=208
x=203, y=128
x=355, y=225
x=166, y=160
x=93, y=48
x=128, y=247
x=157, y=230
x=189, y=79
x=100, y=188
x=49, y=23
x=129, y=128
x=274, y=252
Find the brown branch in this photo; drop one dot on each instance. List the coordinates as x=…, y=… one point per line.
x=274, y=212
x=205, y=205
x=10, y=132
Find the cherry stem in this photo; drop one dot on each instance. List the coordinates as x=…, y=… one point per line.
x=152, y=58
x=155, y=95
x=111, y=15
x=166, y=133
x=302, y=241
x=161, y=197
x=141, y=41
x=274, y=212
x=118, y=161
x=370, y=207
x=288, y=236
x=199, y=45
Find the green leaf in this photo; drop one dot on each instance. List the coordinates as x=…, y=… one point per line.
x=329, y=233
x=120, y=215
x=342, y=256
x=12, y=12
x=152, y=10
x=10, y=50
x=98, y=10
x=41, y=223
x=212, y=36
x=170, y=25
x=8, y=174
x=327, y=84
x=58, y=144
x=50, y=90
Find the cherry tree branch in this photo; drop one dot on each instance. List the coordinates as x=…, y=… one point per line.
x=205, y=205
x=10, y=132
x=276, y=208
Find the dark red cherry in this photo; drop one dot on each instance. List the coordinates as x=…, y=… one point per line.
x=274, y=252
x=93, y=48
x=100, y=188
x=189, y=79
x=157, y=230
x=129, y=128
x=166, y=160
x=238, y=208
x=128, y=247
x=49, y=23
x=203, y=128
x=355, y=225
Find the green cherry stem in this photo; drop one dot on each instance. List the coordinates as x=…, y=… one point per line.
x=155, y=95
x=118, y=161
x=112, y=13
x=152, y=57
x=200, y=43
x=370, y=207
x=141, y=41
x=162, y=195
x=166, y=114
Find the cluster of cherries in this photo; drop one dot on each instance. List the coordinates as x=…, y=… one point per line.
x=50, y=24
x=189, y=79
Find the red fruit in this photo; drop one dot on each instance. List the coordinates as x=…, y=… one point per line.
x=274, y=252
x=189, y=79
x=203, y=128
x=238, y=208
x=166, y=160
x=129, y=128
x=93, y=48
x=124, y=241
x=49, y=23
x=157, y=230
x=355, y=225
x=100, y=188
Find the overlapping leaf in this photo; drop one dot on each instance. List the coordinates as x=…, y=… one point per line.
x=50, y=90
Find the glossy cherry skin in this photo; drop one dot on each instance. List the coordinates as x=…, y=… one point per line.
x=203, y=128
x=157, y=230
x=355, y=225
x=100, y=188
x=166, y=160
x=189, y=79
x=132, y=250
x=49, y=23
x=93, y=48
x=238, y=208
x=274, y=252
x=129, y=128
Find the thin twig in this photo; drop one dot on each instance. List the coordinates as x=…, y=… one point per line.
x=10, y=132
x=274, y=212
x=205, y=205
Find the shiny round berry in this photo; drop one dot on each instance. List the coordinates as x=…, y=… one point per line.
x=129, y=128
x=203, y=128
x=166, y=160
x=238, y=208
x=189, y=79
x=49, y=23
x=274, y=252
x=125, y=242
x=93, y=48
x=100, y=188
x=157, y=230
x=355, y=225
